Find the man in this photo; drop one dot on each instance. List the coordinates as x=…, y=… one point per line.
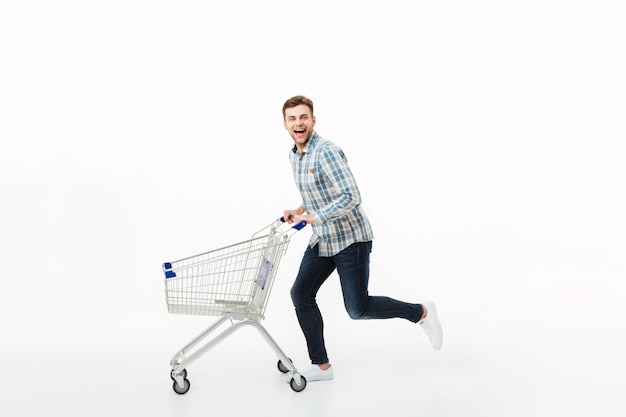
x=341, y=240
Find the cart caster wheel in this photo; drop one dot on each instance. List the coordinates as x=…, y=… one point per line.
x=295, y=386
x=281, y=366
x=183, y=372
x=181, y=390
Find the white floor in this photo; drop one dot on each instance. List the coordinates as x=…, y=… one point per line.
x=115, y=365
x=487, y=138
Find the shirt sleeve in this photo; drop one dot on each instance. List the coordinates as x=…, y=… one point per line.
x=343, y=195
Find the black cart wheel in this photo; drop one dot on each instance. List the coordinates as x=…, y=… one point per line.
x=294, y=385
x=181, y=390
x=281, y=366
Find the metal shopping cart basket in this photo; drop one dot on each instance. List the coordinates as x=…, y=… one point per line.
x=233, y=282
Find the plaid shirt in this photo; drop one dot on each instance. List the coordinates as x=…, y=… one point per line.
x=329, y=194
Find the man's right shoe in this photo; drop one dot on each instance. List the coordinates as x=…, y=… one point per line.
x=431, y=325
x=315, y=373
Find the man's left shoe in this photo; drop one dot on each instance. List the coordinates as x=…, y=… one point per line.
x=431, y=325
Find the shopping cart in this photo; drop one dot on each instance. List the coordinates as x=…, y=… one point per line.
x=233, y=282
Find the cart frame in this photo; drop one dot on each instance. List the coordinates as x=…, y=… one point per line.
x=233, y=282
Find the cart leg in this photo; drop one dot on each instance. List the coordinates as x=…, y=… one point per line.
x=182, y=360
x=186, y=360
x=298, y=382
x=270, y=341
x=180, y=356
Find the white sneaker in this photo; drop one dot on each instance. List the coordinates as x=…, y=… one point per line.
x=315, y=373
x=431, y=325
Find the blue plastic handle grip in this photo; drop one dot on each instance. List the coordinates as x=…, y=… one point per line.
x=297, y=226
x=167, y=269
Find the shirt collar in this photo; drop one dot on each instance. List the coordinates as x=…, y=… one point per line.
x=309, y=143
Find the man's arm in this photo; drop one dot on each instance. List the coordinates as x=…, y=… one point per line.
x=342, y=188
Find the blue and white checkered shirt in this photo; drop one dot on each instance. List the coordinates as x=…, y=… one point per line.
x=329, y=194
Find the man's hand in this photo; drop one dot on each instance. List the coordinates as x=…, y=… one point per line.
x=300, y=217
x=297, y=215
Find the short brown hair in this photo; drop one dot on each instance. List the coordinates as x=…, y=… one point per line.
x=296, y=101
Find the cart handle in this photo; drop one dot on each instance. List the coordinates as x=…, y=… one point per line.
x=297, y=226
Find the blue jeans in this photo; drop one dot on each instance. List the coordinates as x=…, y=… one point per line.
x=352, y=265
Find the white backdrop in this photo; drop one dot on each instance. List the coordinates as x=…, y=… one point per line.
x=487, y=139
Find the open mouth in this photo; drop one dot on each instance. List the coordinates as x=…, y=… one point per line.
x=299, y=132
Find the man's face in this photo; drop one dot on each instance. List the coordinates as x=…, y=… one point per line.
x=299, y=122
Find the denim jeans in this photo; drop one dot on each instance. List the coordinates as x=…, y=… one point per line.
x=352, y=265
